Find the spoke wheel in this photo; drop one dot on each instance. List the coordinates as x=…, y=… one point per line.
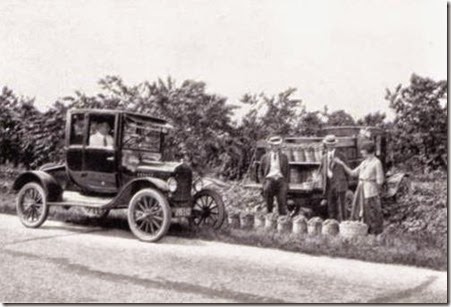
x=31, y=205
x=95, y=212
x=149, y=215
x=208, y=210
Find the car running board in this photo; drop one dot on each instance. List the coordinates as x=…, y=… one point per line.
x=71, y=198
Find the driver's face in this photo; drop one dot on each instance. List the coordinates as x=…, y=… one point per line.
x=104, y=128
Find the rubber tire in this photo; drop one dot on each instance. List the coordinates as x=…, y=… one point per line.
x=167, y=215
x=45, y=209
x=218, y=200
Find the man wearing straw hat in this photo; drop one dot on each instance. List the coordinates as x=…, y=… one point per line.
x=274, y=171
x=334, y=180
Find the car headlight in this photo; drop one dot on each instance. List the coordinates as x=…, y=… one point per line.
x=198, y=185
x=172, y=184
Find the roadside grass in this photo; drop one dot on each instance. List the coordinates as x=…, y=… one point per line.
x=386, y=248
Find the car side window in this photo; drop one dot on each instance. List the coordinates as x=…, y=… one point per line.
x=77, y=129
x=101, y=131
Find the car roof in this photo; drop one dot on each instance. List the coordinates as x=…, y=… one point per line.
x=110, y=111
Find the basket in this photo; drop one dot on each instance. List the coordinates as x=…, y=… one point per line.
x=350, y=229
x=234, y=220
x=299, y=154
x=288, y=152
x=259, y=221
x=318, y=152
x=300, y=224
x=309, y=154
x=330, y=227
x=314, y=226
x=246, y=220
x=284, y=224
x=270, y=221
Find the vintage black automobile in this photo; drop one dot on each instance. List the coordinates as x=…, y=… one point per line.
x=114, y=160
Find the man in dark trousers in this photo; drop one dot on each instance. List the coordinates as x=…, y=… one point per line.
x=274, y=172
x=334, y=179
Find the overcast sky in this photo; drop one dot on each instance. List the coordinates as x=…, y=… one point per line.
x=340, y=53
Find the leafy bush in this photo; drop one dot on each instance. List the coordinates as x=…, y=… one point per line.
x=420, y=128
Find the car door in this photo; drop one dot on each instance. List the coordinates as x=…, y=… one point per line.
x=75, y=140
x=100, y=160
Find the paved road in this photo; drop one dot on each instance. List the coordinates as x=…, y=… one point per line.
x=66, y=263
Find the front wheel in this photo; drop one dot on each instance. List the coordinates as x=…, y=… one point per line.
x=149, y=215
x=32, y=207
x=208, y=209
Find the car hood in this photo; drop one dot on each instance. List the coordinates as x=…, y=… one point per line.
x=167, y=167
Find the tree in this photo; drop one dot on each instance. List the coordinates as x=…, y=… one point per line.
x=203, y=133
x=376, y=119
x=340, y=118
x=279, y=114
x=310, y=123
x=420, y=126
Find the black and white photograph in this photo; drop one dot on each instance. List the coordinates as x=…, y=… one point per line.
x=224, y=151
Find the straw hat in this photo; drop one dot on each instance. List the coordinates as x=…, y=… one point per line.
x=330, y=140
x=275, y=140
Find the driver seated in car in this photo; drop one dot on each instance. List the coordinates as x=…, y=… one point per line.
x=102, y=138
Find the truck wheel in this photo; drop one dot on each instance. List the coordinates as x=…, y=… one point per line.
x=149, y=215
x=208, y=209
x=31, y=205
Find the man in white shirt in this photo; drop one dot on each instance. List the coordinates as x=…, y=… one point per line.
x=101, y=138
x=335, y=180
x=274, y=171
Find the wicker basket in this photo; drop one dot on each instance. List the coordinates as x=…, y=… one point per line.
x=288, y=152
x=246, y=220
x=314, y=226
x=300, y=224
x=259, y=221
x=318, y=152
x=270, y=221
x=299, y=154
x=234, y=219
x=309, y=154
x=284, y=224
x=330, y=227
x=350, y=229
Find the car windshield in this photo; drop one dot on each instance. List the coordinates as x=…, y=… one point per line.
x=141, y=135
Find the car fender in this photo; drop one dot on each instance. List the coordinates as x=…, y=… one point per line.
x=133, y=186
x=51, y=187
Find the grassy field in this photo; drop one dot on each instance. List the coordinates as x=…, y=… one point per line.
x=425, y=246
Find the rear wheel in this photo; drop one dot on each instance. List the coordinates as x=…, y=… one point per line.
x=31, y=205
x=208, y=209
x=149, y=215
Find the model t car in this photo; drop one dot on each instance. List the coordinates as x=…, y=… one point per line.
x=115, y=160
x=304, y=154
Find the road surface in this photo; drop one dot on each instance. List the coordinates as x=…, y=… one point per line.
x=67, y=263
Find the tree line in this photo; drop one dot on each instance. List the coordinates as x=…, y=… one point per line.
x=204, y=129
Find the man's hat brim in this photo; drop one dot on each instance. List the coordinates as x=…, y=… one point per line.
x=275, y=141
